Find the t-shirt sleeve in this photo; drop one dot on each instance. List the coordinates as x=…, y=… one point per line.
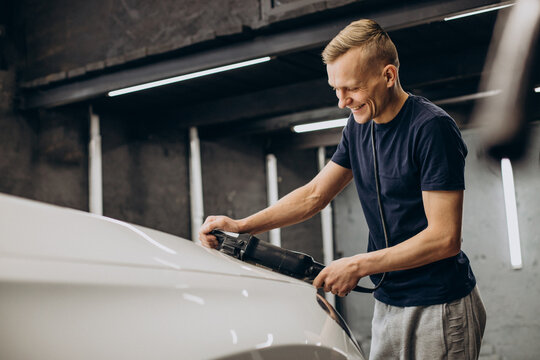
x=341, y=156
x=440, y=155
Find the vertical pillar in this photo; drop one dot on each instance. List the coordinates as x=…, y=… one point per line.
x=327, y=226
x=272, y=193
x=195, y=184
x=95, y=181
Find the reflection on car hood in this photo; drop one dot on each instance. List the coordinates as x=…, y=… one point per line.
x=33, y=230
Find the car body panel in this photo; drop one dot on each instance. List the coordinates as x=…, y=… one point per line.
x=75, y=285
x=73, y=235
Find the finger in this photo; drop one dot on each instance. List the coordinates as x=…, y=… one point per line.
x=208, y=226
x=205, y=240
x=211, y=245
x=209, y=241
x=209, y=218
x=207, y=237
x=318, y=281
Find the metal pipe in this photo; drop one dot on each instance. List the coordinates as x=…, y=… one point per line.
x=195, y=184
x=272, y=193
x=327, y=226
x=95, y=181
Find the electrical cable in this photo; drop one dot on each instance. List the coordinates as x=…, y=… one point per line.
x=378, y=189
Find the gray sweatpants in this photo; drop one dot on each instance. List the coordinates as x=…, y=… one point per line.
x=447, y=331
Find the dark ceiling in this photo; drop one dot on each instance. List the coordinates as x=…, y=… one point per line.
x=433, y=58
x=441, y=60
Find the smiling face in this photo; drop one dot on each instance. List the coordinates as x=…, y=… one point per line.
x=362, y=85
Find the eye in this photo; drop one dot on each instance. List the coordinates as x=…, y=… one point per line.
x=353, y=89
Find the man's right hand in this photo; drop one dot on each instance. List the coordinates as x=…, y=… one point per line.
x=216, y=222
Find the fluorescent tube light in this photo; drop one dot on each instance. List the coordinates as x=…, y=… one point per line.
x=475, y=96
x=537, y=89
x=476, y=12
x=511, y=213
x=321, y=125
x=187, y=76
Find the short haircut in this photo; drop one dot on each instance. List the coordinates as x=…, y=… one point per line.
x=365, y=34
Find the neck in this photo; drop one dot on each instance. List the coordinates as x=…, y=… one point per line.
x=394, y=104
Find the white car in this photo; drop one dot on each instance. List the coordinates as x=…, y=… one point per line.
x=79, y=286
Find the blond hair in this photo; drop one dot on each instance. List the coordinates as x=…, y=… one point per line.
x=366, y=34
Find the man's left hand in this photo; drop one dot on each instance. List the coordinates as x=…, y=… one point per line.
x=340, y=277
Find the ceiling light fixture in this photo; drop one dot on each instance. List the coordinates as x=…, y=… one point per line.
x=537, y=89
x=321, y=125
x=187, y=76
x=475, y=96
x=478, y=11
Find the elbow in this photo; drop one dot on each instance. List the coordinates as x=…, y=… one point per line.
x=444, y=242
x=316, y=204
x=316, y=199
x=452, y=245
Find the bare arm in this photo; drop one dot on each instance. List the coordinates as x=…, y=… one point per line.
x=297, y=206
x=439, y=240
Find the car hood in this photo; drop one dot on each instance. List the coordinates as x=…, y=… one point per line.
x=37, y=231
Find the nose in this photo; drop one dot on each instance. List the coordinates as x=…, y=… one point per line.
x=343, y=98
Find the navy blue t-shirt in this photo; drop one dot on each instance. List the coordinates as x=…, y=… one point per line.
x=421, y=149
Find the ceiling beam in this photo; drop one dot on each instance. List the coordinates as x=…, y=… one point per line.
x=280, y=107
x=265, y=103
x=275, y=123
x=393, y=17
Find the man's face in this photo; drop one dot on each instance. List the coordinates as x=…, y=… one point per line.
x=359, y=85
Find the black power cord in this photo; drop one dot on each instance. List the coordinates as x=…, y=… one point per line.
x=378, y=188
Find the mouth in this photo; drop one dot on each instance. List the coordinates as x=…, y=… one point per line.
x=356, y=108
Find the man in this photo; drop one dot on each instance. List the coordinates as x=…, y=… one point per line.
x=428, y=306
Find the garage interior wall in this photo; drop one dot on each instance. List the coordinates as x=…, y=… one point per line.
x=145, y=173
x=234, y=180
x=43, y=153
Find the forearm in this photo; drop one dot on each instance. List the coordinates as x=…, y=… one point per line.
x=297, y=206
x=302, y=203
x=342, y=275
x=426, y=247
x=439, y=240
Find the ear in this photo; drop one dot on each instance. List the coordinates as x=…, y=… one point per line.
x=390, y=74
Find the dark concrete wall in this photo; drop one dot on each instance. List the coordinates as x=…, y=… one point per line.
x=145, y=173
x=60, y=157
x=42, y=154
x=82, y=36
x=234, y=184
x=67, y=39
x=296, y=168
x=234, y=177
x=16, y=139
